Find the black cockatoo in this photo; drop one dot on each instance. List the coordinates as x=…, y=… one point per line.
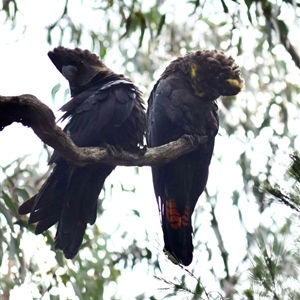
x=106, y=108
x=183, y=102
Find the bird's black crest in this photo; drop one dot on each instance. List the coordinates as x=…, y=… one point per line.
x=61, y=56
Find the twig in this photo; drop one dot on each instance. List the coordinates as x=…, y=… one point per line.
x=290, y=49
x=224, y=253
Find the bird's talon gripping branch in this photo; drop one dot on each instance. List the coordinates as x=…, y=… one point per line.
x=200, y=140
x=143, y=150
x=188, y=137
x=195, y=139
x=119, y=149
x=109, y=148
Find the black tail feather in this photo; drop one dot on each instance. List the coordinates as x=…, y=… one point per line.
x=80, y=207
x=179, y=244
x=27, y=206
x=68, y=197
x=45, y=212
x=45, y=224
x=177, y=231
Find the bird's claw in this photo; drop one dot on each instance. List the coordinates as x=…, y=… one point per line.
x=191, y=138
x=143, y=150
x=195, y=139
x=110, y=149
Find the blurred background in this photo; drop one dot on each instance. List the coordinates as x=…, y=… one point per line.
x=246, y=224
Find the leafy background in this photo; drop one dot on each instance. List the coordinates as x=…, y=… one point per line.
x=246, y=224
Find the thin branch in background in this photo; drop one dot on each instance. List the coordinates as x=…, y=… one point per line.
x=267, y=264
x=290, y=49
x=178, y=287
x=229, y=282
x=281, y=195
x=182, y=287
x=224, y=253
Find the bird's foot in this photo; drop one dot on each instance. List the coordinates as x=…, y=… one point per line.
x=110, y=148
x=142, y=150
x=195, y=139
x=113, y=149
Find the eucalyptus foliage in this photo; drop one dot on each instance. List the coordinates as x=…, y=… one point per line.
x=246, y=231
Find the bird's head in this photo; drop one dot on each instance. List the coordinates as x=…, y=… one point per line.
x=214, y=74
x=78, y=66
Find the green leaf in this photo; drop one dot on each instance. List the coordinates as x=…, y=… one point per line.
x=22, y=193
x=54, y=90
x=59, y=258
x=142, y=22
x=136, y=213
x=225, y=8
x=9, y=203
x=249, y=294
x=161, y=24
x=283, y=29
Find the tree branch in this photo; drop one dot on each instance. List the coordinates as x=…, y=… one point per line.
x=290, y=49
x=216, y=228
x=31, y=112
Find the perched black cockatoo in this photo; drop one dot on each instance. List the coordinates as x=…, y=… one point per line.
x=106, y=108
x=183, y=102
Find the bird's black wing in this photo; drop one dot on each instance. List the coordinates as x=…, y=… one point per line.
x=97, y=113
x=70, y=194
x=106, y=108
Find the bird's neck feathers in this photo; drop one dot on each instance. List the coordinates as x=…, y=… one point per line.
x=98, y=80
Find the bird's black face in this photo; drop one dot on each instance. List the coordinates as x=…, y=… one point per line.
x=230, y=86
x=213, y=88
x=78, y=66
x=216, y=74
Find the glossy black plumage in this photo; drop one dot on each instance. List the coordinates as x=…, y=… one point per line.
x=105, y=108
x=183, y=102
